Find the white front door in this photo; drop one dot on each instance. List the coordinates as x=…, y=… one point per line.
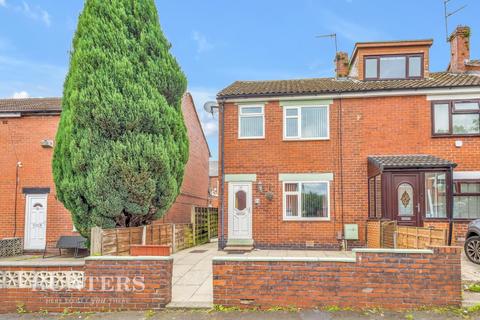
x=35, y=221
x=240, y=210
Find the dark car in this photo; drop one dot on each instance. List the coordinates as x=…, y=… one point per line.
x=472, y=244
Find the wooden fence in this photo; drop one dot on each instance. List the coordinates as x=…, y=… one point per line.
x=387, y=234
x=205, y=224
x=117, y=241
x=419, y=238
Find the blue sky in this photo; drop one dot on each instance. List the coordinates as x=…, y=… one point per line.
x=219, y=41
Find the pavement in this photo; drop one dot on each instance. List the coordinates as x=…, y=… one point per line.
x=252, y=315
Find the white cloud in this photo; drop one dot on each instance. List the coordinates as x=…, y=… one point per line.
x=20, y=95
x=203, y=45
x=349, y=29
x=32, y=12
x=3, y=3
x=209, y=122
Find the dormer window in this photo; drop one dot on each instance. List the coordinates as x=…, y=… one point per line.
x=394, y=67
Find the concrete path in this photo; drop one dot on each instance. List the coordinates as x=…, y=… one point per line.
x=192, y=271
x=192, y=277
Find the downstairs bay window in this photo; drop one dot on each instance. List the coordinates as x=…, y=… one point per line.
x=306, y=200
x=466, y=199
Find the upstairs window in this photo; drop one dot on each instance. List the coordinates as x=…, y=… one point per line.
x=456, y=118
x=306, y=123
x=251, y=122
x=394, y=67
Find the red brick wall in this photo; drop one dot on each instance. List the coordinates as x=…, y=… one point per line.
x=371, y=126
x=374, y=234
x=387, y=280
x=157, y=279
x=195, y=183
x=20, y=141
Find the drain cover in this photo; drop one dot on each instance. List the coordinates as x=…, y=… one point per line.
x=198, y=251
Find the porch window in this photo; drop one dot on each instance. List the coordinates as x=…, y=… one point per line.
x=456, y=118
x=306, y=123
x=251, y=122
x=306, y=200
x=375, y=196
x=435, y=195
x=466, y=199
x=389, y=67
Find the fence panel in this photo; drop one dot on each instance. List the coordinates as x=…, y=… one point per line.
x=387, y=234
x=117, y=241
x=205, y=224
x=420, y=238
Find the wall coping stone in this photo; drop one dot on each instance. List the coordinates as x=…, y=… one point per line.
x=384, y=250
x=286, y=259
x=40, y=264
x=130, y=258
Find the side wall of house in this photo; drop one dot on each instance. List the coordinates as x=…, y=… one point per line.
x=194, y=190
x=371, y=126
x=20, y=142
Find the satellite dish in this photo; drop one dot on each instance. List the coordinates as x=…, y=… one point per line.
x=211, y=107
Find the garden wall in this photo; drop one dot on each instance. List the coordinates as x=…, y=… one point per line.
x=96, y=284
x=386, y=278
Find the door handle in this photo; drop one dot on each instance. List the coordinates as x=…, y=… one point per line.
x=418, y=208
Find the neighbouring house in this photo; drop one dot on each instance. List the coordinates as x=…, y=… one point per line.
x=308, y=162
x=28, y=205
x=213, y=184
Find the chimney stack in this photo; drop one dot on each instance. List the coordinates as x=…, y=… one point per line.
x=459, y=49
x=341, y=64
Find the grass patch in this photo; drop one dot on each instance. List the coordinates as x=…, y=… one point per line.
x=475, y=287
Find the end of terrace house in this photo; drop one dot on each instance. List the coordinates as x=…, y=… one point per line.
x=308, y=162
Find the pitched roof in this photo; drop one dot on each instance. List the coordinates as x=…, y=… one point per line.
x=410, y=161
x=245, y=89
x=31, y=105
x=474, y=62
x=213, y=168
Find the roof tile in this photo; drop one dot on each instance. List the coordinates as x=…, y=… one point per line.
x=245, y=89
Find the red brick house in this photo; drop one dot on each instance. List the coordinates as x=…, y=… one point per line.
x=308, y=162
x=28, y=206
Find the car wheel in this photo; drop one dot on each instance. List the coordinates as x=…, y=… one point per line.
x=472, y=249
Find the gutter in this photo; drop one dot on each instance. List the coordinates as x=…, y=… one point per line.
x=355, y=94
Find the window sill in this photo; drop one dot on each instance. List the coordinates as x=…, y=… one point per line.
x=251, y=138
x=453, y=136
x=306, y=219
x=306, y=139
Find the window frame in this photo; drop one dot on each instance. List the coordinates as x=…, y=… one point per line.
x=299, y=137
x=251, y=115
x=451, y=112
x=299, y=192
x=457, y=191
x=407, y=57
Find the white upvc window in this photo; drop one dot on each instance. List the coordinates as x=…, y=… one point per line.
x=306, y=122
x=309, y=200
x=251, y=122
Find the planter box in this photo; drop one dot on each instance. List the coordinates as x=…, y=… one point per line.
x=149, y=250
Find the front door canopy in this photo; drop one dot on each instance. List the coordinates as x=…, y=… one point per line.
x=379, y=164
